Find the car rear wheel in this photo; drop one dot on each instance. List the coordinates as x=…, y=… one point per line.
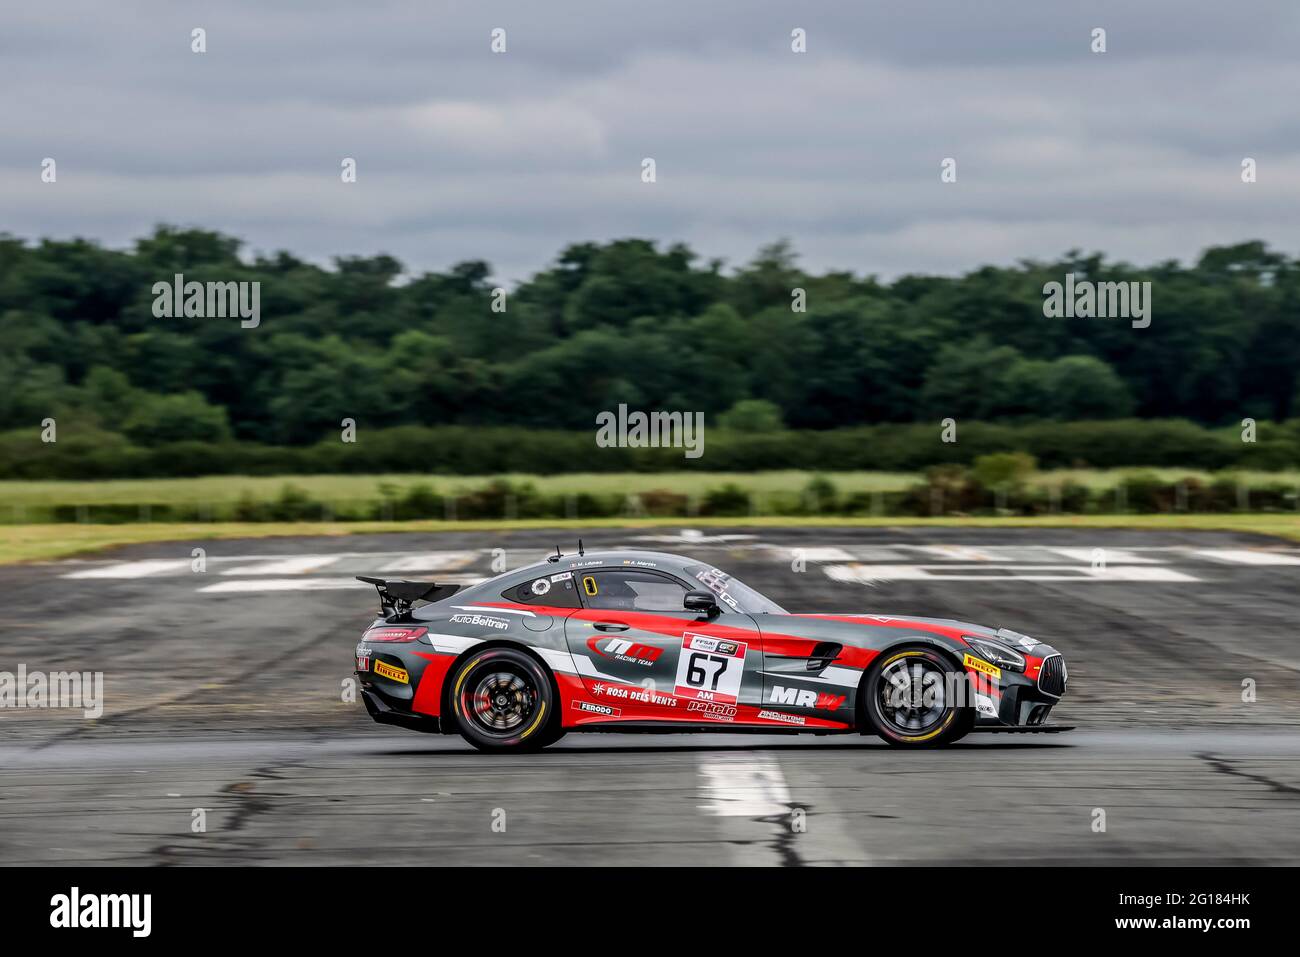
x=503, y=700
x=912, y=698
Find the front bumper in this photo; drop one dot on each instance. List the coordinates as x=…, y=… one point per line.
x=1020, y=700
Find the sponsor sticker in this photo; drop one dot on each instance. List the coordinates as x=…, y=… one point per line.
x=481, y=620
x=641, y=695
x=804, y=698
x=594, y=708
x=621, y=649
x=392, y=673
x=562, y=576
x=786, y=718
x=713, y=710
x=983, y=667
x=363, y=662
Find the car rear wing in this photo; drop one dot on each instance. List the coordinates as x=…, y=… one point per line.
x=397, y=597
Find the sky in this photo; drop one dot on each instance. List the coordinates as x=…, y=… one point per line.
x=463, y=153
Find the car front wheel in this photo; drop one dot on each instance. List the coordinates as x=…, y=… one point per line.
x=913, y=698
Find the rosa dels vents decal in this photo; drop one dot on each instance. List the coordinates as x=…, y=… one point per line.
x=710, y=669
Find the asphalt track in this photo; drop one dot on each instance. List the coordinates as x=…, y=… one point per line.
x=223, y=694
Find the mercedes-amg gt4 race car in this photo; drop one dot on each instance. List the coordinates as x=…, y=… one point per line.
x=645, y=641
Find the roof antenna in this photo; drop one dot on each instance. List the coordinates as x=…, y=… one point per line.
x=556, y=556
x=579, y=547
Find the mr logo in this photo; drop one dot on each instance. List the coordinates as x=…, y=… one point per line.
x=103, y=910
x=802, y=698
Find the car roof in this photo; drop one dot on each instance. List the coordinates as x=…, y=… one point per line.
x=607, y=558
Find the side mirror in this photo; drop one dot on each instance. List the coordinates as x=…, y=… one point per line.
x=701, y=601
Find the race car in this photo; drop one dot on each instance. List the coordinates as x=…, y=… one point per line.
x=633, y=640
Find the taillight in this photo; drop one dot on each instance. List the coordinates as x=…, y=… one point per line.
x=393, y=633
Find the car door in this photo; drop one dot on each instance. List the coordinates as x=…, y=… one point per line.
x=641, y=653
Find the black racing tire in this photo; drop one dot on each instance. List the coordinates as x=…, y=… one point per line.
x=503, y=699
x=939, y=720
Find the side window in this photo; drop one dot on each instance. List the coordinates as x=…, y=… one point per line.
x=558, y=591
x=620, y=590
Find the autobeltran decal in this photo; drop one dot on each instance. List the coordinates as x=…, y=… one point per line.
x=480, y=620
x=710, y=669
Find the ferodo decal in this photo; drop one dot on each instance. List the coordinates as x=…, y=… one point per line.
x=385, y=670
x=709, y=669
x=592, y=708
x=633, y=652
x=983, y=667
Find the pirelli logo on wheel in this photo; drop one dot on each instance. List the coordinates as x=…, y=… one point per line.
x=392, y=673
x=983, y=667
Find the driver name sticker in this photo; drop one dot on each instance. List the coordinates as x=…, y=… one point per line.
x=710, y=669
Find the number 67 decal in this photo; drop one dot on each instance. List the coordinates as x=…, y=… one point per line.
x=710, y=669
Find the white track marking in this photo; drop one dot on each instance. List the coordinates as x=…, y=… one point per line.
x=1111, y=556
x=1241, y=556
x=139, y=569
x=876, y=553
x=821, y=554
x=295, y=565
x=306, y=583
x=961, y=553
x=743, y=786
x=870, y=574
x=431, y=561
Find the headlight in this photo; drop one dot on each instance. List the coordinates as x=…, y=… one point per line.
x=997, y=653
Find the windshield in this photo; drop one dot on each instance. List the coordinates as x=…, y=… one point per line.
x=734, y=593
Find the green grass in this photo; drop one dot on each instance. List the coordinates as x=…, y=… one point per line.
x=219, y=489
x=44, y=542
x=226, y=489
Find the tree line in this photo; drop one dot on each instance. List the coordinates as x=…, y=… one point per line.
x=761, y=347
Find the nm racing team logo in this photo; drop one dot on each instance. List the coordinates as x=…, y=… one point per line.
x=621, y=649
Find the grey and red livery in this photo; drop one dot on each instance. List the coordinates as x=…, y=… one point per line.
x=646, y=641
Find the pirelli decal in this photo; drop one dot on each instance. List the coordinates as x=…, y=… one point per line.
x=983, y=667
x=392, y=673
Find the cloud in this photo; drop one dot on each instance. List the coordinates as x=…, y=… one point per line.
x=463, y=153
